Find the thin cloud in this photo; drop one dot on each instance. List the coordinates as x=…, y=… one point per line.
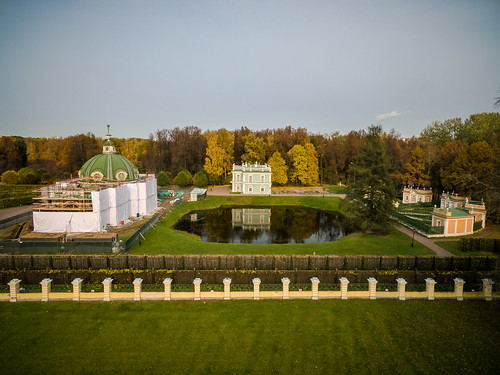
x=389, y=115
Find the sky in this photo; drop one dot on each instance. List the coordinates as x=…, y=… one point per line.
x=70, y=67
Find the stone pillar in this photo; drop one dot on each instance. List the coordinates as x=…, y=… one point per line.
x=168, y=288
x=77, y=288
x=197, y=289
x=401, y=288
x=137, y=288
x=343, y=287
x=459, y=288
x=488, y=289
x=429, y=287
x=45, y=283
x=372, y=287
x=256, y=288
x=107, y=288
x=315, y=287
x=227, y=288
x=14, y=286
x=286, y=284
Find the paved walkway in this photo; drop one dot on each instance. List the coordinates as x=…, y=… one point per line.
x=425, y=241
x=5, y=213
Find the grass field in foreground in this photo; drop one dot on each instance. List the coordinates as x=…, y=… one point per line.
x=165, y=240
x=261, y=337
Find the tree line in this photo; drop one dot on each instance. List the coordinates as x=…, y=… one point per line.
x=453, y=155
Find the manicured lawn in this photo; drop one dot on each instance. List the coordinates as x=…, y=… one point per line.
x=165, y=240
x=252, y=337
x=456, y=246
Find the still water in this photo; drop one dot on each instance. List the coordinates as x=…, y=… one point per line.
x=264, y=225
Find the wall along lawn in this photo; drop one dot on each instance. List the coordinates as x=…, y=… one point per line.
x=251, y=337
x=165, y=240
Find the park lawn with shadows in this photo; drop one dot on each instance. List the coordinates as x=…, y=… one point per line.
x=455, y=247
x=163, y=239
x=251, y=337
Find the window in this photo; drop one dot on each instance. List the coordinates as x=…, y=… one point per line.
x=250, y=178
x=97, y=175
x=121, y=176
x=250, y=189
x=262, y=189
x=262, y=177
x=438, y=223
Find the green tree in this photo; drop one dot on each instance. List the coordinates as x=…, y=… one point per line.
x=162, y=179
x=26, y=176
x=372, y=193
x=10, y=177
x=200, y=179
x=39, y=173
x=305, y=164
x=183, y=178
x=279, y=169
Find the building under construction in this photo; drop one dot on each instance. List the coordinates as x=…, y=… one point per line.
x=88, y=205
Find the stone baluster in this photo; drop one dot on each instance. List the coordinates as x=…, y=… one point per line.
x=315, y=288
x=167, y=282
x=372, y=287
x=488, y=289
x=77, y=288
x=256, y=288
x=227, y=288
x=107, y=288
x=197, y=289
x=286, y=284
x=45, y=283
x=459, y=288
x=14, y=287
x=137, y=288
x=343, y=287
x=401, y=288
x=429, y=287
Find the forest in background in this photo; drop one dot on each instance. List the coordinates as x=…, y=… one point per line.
x=455, y=155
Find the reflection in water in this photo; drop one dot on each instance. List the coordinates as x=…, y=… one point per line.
x=264, y=225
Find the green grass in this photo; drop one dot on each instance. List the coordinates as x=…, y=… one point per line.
x=264, y=337
x=165, y=240
x=335, y=189
x=455, y=247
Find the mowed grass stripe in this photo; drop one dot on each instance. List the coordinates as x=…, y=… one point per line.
x=295, y=336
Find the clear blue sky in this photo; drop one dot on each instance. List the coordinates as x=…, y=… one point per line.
x=68, y=67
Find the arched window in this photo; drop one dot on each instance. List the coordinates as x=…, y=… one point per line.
x=97, y=175
x=121, y=176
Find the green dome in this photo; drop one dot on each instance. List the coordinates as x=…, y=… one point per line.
x=109, y=166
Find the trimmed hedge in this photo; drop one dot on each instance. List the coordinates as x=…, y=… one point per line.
x=245, y=262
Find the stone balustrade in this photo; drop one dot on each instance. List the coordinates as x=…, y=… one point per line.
x=15, y=291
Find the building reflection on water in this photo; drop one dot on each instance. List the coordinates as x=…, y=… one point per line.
x=251, y=218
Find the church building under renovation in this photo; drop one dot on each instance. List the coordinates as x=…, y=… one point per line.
x=108, y=191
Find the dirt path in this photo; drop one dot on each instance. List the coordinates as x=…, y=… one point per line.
x=425, y=241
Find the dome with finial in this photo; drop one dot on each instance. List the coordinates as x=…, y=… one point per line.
x=109, y=165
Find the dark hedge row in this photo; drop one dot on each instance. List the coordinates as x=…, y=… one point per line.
x=237, y=276
x=481, y=244
x=245, y=262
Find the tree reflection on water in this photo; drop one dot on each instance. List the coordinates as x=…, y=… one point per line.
x=265, y=225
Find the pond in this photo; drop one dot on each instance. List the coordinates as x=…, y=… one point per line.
x=265, y=225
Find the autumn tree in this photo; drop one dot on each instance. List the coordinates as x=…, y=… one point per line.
x=77, y=150
x=220, y=147
x=200, y=179
x=12, y=153
x=255, y=149
x=279, y=169
x=414, y=172
x=305, y=164
x=372, y=193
